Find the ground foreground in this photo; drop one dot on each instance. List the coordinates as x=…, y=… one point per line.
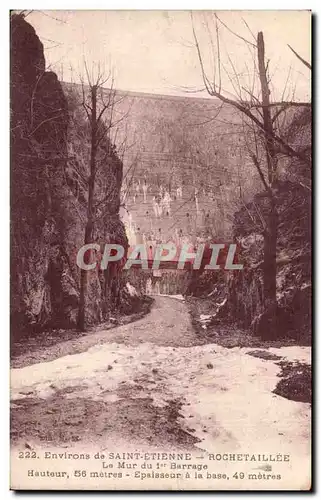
x=154, y=384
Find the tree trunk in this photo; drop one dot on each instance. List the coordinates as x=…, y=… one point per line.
x=270, y=235
x=90, y=209
x=269, y=330
x=81, y=323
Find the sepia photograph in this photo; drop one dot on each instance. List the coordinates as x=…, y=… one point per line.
x=160, y=250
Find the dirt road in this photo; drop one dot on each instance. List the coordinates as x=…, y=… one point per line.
x=151, y=384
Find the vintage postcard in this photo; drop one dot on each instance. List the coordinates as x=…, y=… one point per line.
x=160, y=250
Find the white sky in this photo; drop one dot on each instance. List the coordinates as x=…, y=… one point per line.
x=152, y=51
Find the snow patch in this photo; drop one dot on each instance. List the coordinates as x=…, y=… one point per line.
x=131, y=290
x=231, y=406
x=177, y=297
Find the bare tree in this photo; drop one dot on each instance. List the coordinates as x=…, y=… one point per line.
x=100, y=186
x=262, y=117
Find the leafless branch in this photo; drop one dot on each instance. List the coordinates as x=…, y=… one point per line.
x=235, y=34
x=308, y=65
x=251, y=32
x=50, y=119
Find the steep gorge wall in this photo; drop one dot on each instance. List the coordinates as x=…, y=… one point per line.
x=293, y=258
x=47, y=215
x=238, y=296
x=39, y=121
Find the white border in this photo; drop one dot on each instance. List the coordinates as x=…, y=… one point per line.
x=4, y=173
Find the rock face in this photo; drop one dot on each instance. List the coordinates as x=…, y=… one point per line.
x=244, y=289
x=293, y=262
x=39, y=121
x=238, y=295
x=47, y=205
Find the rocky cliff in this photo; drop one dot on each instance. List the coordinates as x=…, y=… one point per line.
x=238, y=297
x=48, y=204
x=245, y=289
